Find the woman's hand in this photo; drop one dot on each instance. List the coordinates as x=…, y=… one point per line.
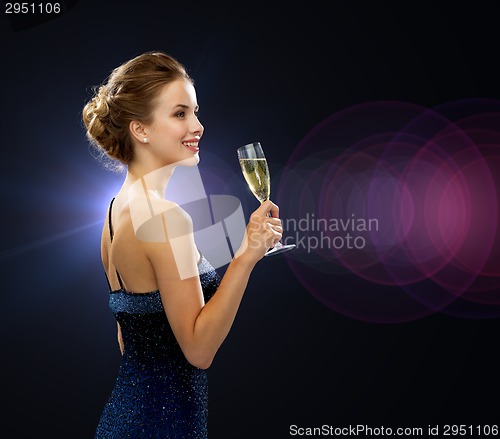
x=263, y=232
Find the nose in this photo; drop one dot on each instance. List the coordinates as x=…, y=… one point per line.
x=197, y=128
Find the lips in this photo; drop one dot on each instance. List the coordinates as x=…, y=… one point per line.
x=192, y=145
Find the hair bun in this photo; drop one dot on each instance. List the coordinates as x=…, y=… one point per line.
x=101, y=107
x=96, y=118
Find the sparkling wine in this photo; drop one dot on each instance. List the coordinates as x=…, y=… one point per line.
x=256, y=173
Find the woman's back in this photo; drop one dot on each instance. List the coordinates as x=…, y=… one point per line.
x=124, y=253
x=158, y=393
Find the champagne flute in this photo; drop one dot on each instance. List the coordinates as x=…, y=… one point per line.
x=256, y=172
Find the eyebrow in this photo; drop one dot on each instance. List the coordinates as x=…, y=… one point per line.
x=186, y=106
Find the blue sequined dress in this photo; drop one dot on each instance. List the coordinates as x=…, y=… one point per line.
x=158, y=393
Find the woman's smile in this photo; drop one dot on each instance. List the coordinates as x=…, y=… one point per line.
x=192, y=144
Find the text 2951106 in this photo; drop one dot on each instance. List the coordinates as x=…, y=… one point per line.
x=48, y=8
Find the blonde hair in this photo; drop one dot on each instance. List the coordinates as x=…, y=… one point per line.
x=129, y=94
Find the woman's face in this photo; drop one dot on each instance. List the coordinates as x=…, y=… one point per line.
x=174, y=134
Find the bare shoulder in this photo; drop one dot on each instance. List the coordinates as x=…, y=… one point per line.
x=165, y=231
x=157, y=220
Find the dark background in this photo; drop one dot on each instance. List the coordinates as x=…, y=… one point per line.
x=263, y=71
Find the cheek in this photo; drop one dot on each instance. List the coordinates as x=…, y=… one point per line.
x=175, y=130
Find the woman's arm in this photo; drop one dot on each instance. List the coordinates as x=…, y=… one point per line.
x=120, y=339
x=201, y=328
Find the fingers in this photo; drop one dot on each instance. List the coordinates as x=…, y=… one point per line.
x=268, y=207
x=261, y=215
x=264, y=230
x=267, y=221
x=276, y=238
x=275, y=223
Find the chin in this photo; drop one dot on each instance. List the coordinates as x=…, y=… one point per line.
x=191, y=161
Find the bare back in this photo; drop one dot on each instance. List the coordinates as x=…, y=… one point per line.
x=122, y=253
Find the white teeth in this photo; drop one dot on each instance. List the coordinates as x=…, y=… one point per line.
x=191, y=144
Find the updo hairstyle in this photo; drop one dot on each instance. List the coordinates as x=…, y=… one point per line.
x=129, y=94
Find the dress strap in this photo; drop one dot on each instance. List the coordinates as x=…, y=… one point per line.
x=111, y=239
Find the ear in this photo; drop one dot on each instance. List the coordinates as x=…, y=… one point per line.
x=138, y=131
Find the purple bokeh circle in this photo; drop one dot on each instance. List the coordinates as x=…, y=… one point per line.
x=403, y=201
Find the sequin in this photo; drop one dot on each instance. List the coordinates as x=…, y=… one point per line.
x=158, y=393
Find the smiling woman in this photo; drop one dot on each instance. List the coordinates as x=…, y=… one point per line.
x=173, y=129
x=172, y=309
x=130, y=94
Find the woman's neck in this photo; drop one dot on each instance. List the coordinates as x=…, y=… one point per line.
x=154, y=181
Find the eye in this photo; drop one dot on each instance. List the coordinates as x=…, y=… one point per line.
x=180, y=114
